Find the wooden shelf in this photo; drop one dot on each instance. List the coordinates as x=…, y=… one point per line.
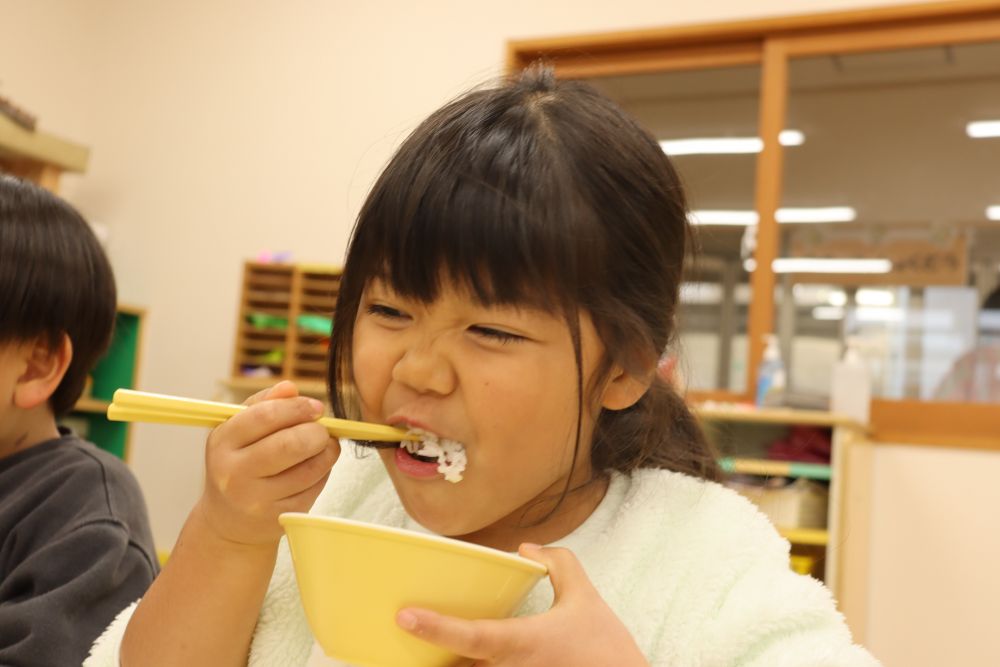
x=768, y=468
x=20, y=144
x=294, y=303
x=91, y=405
x=773, y=416
x=806, y=536
x=251, y=385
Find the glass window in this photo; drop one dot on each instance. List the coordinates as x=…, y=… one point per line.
x=890, y=222
x=706, y=120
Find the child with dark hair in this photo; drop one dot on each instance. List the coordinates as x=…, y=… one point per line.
x=75, y=545
x=510, y=284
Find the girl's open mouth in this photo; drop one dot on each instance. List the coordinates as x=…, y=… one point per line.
x=417, y=457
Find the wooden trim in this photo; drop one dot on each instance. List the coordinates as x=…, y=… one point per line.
x=247, y=386
x=850, y=519
x=92, y=405
x=912, y=422
x=633, y=44
x=130, y=309
x=886, y=38
x=292, y=335
x=767, y=198
x=787, y=416
x=140, y=349
x=240, y=320
x=583, y=65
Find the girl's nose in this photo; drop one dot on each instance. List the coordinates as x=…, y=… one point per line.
x=425, y=369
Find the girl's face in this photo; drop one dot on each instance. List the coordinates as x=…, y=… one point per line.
x=500, y=380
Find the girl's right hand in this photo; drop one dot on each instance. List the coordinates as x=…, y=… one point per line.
x=271, y=458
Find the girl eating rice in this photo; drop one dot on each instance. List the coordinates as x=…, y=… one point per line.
x=510, y=284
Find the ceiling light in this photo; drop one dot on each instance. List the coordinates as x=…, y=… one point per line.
x=735, y=217
x=791, y=138
x=830, y=265
x=727, y=145
x=982, y=129
x=993, y=213
x=824, y=214
x=745, y=217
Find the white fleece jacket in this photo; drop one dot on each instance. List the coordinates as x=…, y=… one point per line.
x=693, y=570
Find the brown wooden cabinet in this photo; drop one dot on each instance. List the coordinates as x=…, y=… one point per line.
x=283, y=330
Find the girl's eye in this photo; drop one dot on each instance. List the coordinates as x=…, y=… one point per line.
x=496, y=335
x=387, y=312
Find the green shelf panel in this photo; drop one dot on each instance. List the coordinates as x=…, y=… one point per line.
x=115, y=370
x=815, y=471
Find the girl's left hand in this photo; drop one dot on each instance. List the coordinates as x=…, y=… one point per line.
x=580, y=629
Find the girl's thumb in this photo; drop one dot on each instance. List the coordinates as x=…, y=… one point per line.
x=565, y=571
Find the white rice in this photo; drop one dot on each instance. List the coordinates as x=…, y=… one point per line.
x=449, y=453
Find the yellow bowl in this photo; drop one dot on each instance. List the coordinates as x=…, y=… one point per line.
x=353, y=577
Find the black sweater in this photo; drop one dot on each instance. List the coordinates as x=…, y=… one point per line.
x=75, y=549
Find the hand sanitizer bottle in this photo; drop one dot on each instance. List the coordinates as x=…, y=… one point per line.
x=771, y=375
x=851, y=384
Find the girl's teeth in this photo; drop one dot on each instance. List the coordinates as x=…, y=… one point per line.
x=450, y=454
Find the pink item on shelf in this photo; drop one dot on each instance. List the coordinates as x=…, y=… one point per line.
x=272, y=257
x=807, y=444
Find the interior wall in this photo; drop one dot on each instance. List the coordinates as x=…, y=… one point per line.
x=934, y=590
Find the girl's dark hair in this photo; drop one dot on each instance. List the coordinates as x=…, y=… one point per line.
x=54, y=279
x=542, y=193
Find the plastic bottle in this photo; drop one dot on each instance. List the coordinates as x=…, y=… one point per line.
x=851, y=384
x=771, y=379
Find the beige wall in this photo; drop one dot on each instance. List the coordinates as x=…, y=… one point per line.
x=934, y=586
x=223, y=128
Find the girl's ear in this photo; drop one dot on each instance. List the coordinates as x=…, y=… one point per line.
x=44, y=369
x=623, y=389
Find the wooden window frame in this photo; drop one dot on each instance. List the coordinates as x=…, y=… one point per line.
x=771, y=43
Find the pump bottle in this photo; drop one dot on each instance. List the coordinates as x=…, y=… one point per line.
x=771, y=378
x=851, y=384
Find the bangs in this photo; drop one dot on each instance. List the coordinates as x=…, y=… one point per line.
x=488, y=211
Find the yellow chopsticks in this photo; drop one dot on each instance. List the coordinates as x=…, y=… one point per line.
x=140, y=406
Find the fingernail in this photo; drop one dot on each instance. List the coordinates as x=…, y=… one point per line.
x=406, y=620
x=317, y=406
x=531, y=546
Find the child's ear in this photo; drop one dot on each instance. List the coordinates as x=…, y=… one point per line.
x=44, y=369
x=623, y=389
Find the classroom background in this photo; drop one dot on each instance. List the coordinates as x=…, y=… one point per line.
x=222, y=149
